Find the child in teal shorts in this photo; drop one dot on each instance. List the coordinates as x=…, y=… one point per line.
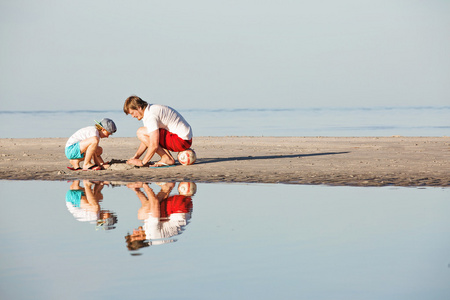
x=83, y=146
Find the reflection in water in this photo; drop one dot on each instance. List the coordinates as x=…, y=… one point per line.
x=84, y=204
x=164, y=216
x=313, y=242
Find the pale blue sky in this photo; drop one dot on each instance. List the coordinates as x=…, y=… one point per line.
x=58, y=55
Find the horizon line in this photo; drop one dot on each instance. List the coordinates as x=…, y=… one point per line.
x=242, y=109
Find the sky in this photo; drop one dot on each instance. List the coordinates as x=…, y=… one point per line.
x=92, y=55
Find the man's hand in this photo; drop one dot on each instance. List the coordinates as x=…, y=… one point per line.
x=135, y=185
x=135, y=162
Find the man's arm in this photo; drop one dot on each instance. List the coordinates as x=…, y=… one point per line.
x=149, y=141
x=140, y=151
x=153, y=138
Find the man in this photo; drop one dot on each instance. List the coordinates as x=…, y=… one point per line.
x=164, y=130
x=164, y=216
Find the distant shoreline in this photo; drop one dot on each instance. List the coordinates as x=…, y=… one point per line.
x=294, y=122
x=227, y=109
x=339, y=161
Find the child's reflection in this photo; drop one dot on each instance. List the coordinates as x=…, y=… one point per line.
x=84, y=204
x=164, y=216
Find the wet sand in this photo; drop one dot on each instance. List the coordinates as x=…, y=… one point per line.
x=345, y=161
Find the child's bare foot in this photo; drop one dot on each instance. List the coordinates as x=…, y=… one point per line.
x=88, y=167
x=75, y=163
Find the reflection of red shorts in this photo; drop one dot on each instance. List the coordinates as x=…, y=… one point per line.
x=173, y=142
x=175, y=204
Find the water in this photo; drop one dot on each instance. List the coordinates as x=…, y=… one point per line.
x=378, y=121
x=239, y=241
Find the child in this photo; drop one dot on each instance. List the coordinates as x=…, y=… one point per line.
x=83, y=146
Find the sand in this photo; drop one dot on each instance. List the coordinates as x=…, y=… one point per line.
x=345, y=161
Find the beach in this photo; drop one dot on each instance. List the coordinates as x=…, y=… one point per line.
x=342, y=161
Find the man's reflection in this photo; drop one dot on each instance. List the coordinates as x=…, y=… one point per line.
x=84, y=204
x=164, y=216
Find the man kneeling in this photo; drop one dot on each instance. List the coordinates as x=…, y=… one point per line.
x=164, y=130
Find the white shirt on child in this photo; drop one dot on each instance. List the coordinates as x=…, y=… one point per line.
x=160, y=116
x=82, y=215
x=82, y=134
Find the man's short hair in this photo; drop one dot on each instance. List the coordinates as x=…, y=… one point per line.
x=133, y=102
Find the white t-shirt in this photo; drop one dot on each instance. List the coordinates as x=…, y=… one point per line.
x=82, y=215
x=160, y=116
x=156, y=229
x=82, y=134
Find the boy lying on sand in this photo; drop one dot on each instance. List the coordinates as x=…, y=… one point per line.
x=83, y=146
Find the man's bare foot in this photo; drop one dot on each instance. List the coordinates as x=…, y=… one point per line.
x=170, y=185
x=161, y=164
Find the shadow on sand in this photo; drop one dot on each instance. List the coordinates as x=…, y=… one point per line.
x=239, y=158
x=217, y=159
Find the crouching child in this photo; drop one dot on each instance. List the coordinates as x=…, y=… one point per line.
x=83, y=146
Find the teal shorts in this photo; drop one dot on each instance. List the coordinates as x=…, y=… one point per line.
x=74, y=197
x=73, y=151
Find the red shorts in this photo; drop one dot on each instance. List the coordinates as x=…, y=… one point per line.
x=175, y=204
x=173, y=142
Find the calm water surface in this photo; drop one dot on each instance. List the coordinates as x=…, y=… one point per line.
x=328, y=121
x=70, y=240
